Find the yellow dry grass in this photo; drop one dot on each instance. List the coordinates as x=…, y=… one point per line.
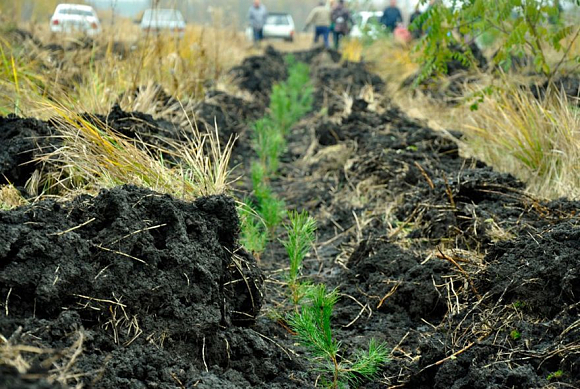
x=10, y=197
x=116, y=67
x=391, y=60
x=536, y=140
x=94, y=156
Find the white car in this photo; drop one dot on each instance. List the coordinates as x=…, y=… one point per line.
x=158, y=20
x=366, y=23
x=75, y=18
x=278, y=26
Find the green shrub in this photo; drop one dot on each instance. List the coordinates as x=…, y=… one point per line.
x=520, y=28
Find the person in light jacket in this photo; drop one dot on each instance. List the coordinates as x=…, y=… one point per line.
x=320, y=18
x=257, y=16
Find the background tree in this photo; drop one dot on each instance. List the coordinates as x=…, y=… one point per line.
x=522, y=27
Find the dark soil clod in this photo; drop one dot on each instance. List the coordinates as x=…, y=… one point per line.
x=154, y=285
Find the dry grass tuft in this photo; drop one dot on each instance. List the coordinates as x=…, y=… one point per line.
x=115, y=67
x=391, y=60
x=10, y=197
x=94, y=156
x=33, y=362
x=536, y=140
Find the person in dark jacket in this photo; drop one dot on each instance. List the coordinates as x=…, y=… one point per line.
x=391, y=16
x=417, y=28
x=342, y=20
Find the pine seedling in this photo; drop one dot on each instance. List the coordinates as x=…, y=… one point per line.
x=299, y=90
x=281, y=106
x=300, y=232
x=313, y=327
x=367, y=364
x=253, y=230
x=268, y=143
x=270, y=208
x=258, y=173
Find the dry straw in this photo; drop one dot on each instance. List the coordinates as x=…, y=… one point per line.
x=95, y=156
x=537, y=140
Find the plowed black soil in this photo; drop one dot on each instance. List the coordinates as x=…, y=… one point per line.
x=471, y=282
x=137, y=125
x=230, y=114
x=148, y=283
x=21, y=142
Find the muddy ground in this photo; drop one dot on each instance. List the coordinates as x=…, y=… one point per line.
x=471, y=282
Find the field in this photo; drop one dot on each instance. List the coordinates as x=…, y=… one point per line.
x=145, y=238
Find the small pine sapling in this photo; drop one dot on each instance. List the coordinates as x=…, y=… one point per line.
x=253, y=230
x=269, y=144
x=299, y=90
x=313, y=327
x=292, y=99
x=270, y=207
x=280, y=107
x=300, y=231
x=258, y=174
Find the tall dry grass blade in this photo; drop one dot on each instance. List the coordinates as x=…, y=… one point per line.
x=94, y=156
x=537, y=140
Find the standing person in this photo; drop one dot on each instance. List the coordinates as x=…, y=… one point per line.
x=320, y=18
x=391, y=16
x=341, y=18
x=331, y=5
x=417, y=29
x=257, y=16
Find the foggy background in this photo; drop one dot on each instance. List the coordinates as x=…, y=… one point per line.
x=233, y=12
x=218, y=13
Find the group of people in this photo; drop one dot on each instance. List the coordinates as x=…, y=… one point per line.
x=326, y=18
x=332, y=17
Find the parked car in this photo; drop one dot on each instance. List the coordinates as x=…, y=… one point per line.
x=366, y=23
x=158, y=20
x=278, y=26
x=71, y=18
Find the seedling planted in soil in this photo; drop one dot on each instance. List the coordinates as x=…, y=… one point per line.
x=268, y=143
x=300, y=237
x=555, y=375
x=515, y=335
x=312, y=325
x=254, y=236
